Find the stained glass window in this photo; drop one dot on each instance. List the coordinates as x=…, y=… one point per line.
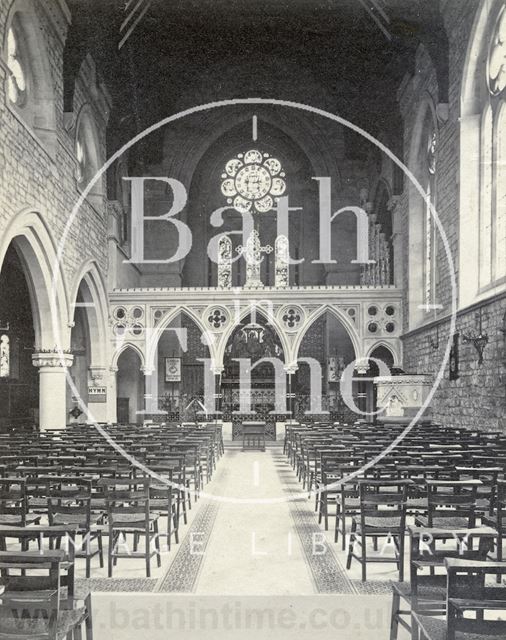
x=5, y=360
x=17, y=76
x=81, y=159
x=252, y=181
x=429, y=224
x=497, y=56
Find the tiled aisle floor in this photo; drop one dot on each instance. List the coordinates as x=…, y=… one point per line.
x=247, y=545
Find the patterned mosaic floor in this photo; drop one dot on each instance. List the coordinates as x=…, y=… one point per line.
x=238, y=546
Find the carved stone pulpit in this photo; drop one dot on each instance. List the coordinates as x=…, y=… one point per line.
x=402, y=396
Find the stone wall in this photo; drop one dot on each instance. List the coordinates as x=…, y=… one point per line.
x=42, y=177
x=478, y=398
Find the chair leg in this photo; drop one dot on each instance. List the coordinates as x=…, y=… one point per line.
x=351, y=544
x=363, y=556
x=89, y=619
x=394, y=618
x=499, y=555
x=110, y=552
x=148, y=554
x=157, y=544
x=176, y=528
x=401, y=557
x=100, y=549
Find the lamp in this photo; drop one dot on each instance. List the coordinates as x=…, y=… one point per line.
x=479, y=340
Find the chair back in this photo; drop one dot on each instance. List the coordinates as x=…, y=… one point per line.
x=450, y=499
x=30, y=603
x=383, y=503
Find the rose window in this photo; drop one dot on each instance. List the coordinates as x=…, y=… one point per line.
x=253, y=181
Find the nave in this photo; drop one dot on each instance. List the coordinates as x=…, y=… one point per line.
x=249, y=525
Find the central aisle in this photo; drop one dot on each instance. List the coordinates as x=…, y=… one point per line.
x=255, y=532
x=253, y=548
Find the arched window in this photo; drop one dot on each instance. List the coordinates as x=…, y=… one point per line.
x=430, y=250
x=423, y=232
x=5, y=356
x=17, y=67
x=483, y=150
x=88, y=156
x=29, y=82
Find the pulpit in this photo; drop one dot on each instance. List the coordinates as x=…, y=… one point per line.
x=399, y=398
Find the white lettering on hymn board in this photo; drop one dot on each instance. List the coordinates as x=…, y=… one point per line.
x=97, y=394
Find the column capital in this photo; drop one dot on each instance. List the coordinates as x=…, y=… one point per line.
x=52, y=359
x=291, y=368
x=362, y=365
x=147, y=371
x=97, y=373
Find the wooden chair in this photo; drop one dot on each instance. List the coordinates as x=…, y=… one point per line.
x=164, y=499
x=498, y=518
x=72, y=596
x=382, y=514
x=30, y=603
x=450, y=504
x=468, y=593
x=129, y=512
x=426, y=592
x=14, y=503
x=70, y=504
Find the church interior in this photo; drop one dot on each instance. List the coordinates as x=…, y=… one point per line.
x=253, y=319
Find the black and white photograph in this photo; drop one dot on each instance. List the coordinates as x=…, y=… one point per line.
x=252, y=319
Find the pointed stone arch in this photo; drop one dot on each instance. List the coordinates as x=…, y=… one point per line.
x=341, y=317
x=89, y=284
x=270, y=319
x=48, y=293
x=167, y=319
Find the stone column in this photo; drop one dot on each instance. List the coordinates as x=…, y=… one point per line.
x=52, y=388
x=112, y=396
x=290, y=396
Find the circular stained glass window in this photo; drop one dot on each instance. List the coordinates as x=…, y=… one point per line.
x=390, y=311
x=372, y=327
x=390, y=327
x=372, y=311
x=137, y=313
x=252, y=181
